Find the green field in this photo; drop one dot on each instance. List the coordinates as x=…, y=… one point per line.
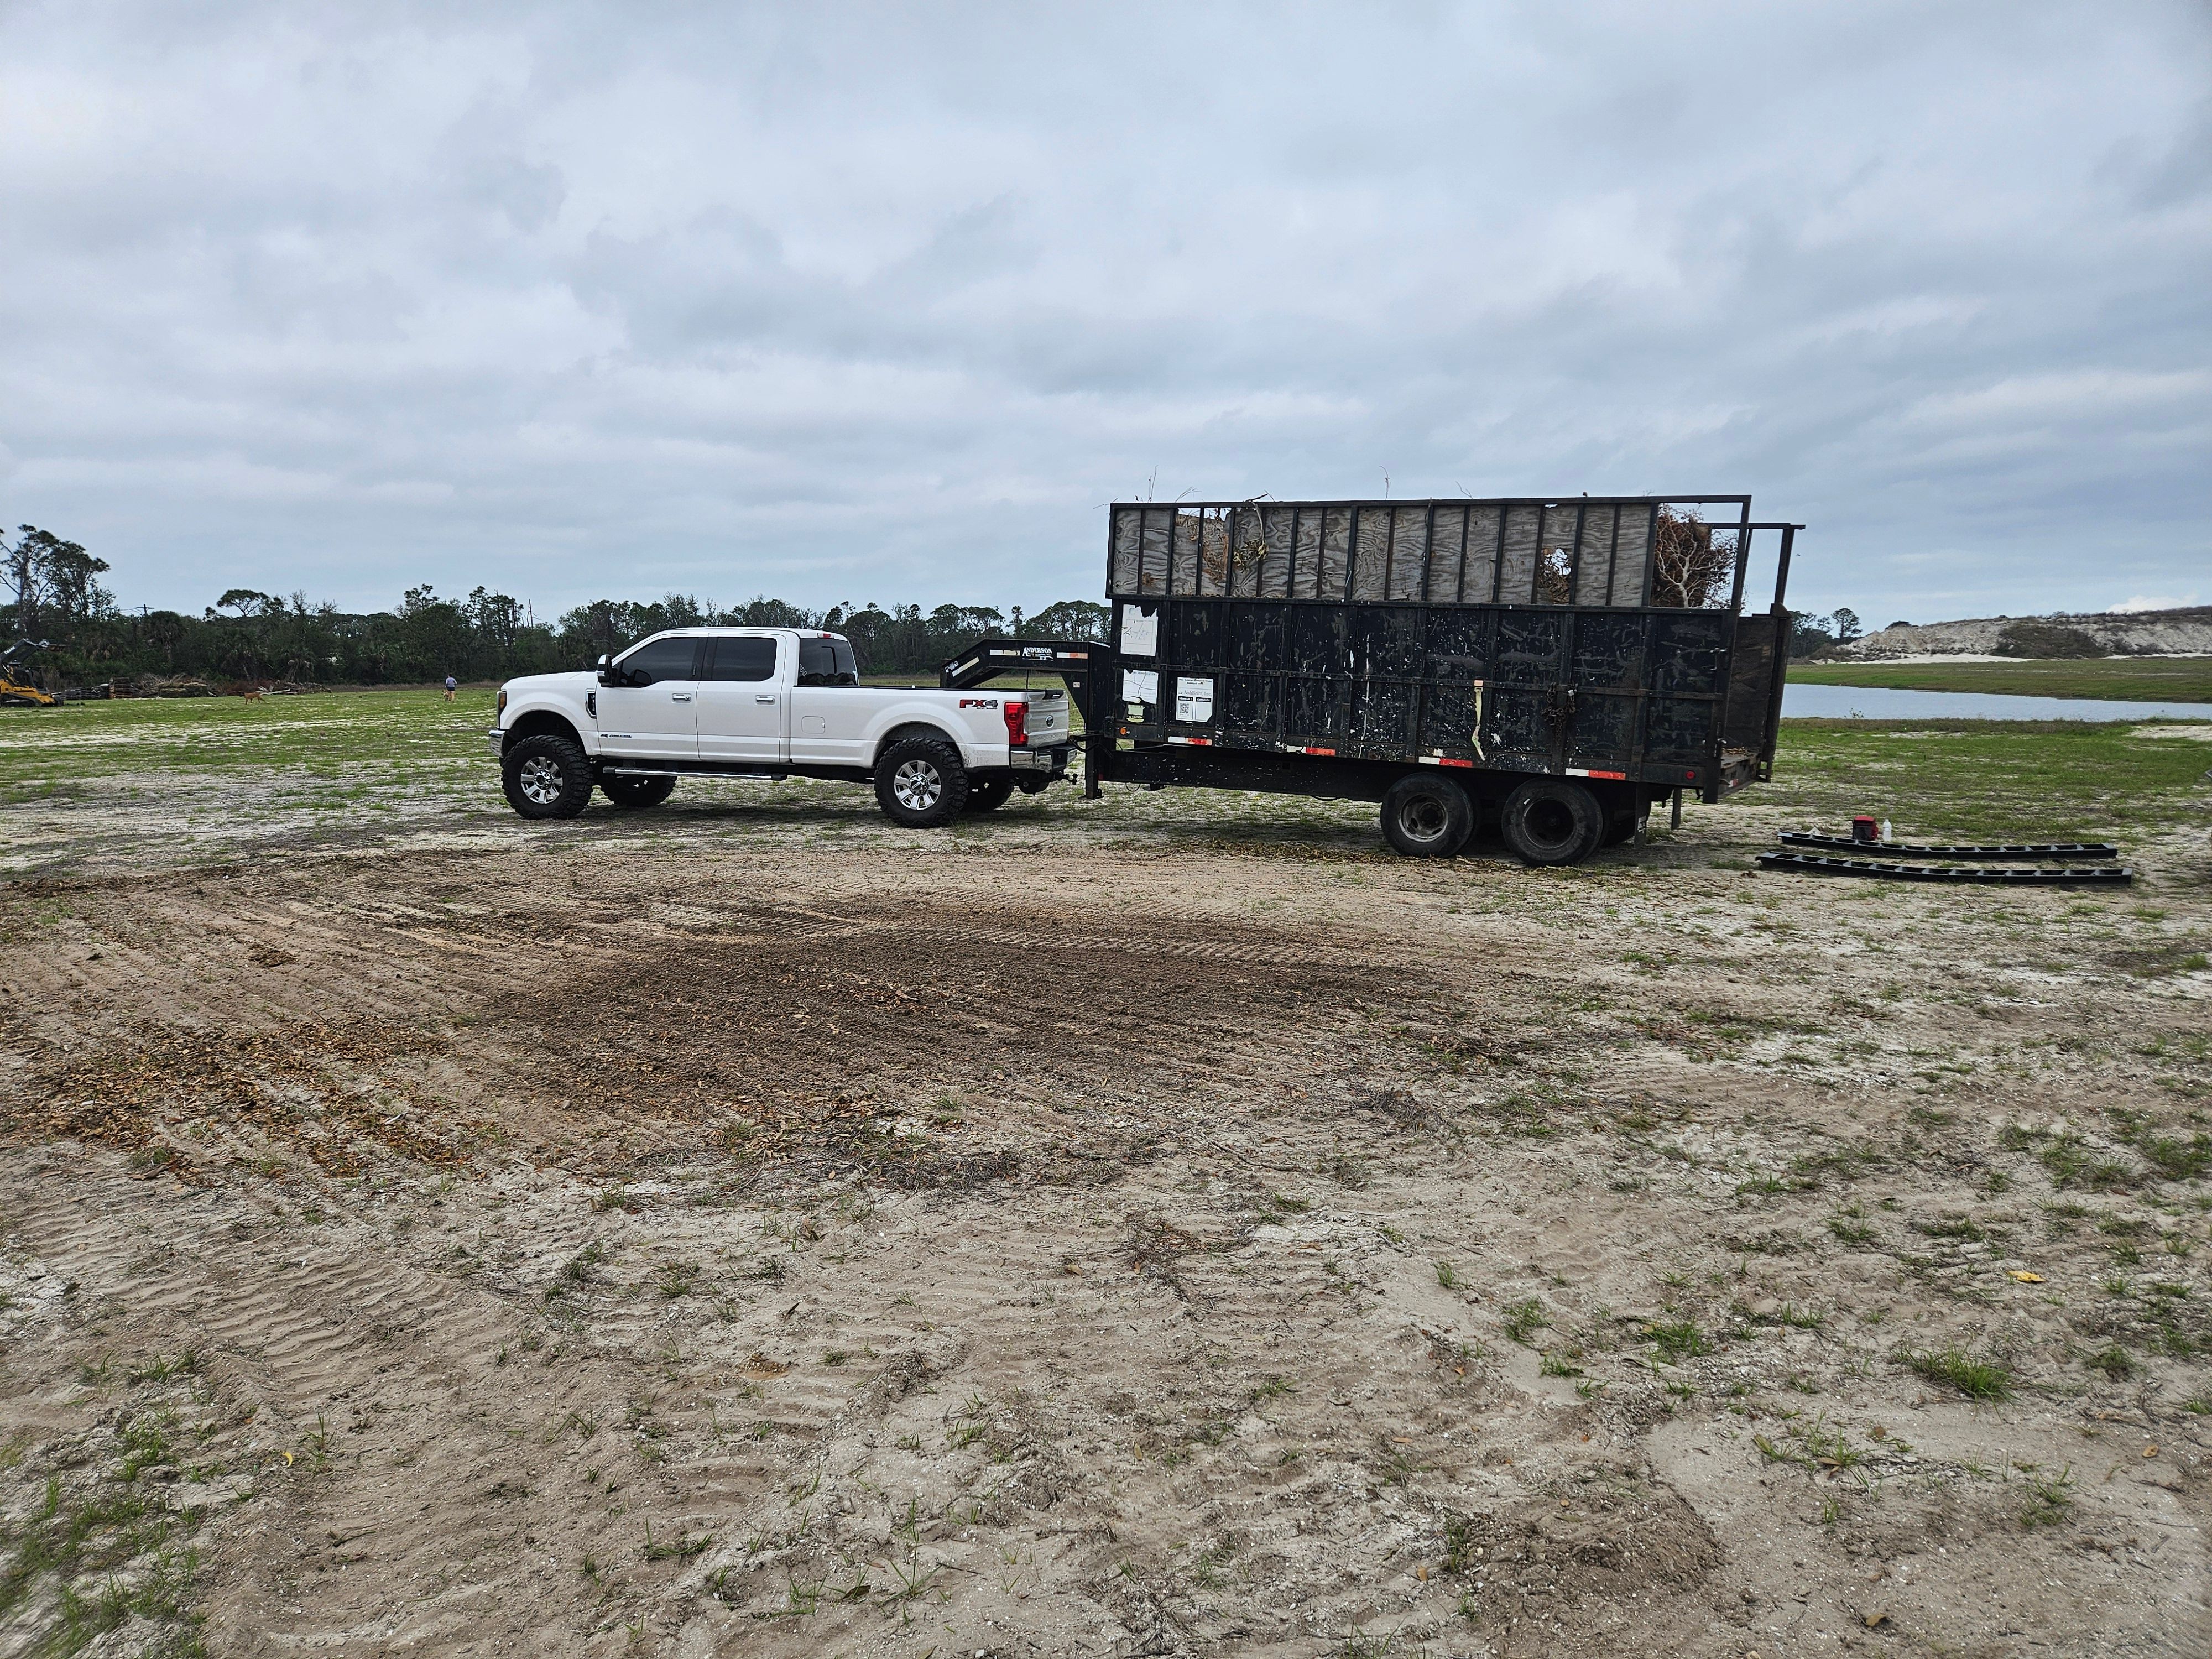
x=319, y=733
x=1994, y=780
x=2130, y=679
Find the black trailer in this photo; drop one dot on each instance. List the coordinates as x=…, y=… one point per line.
x=1557, y=666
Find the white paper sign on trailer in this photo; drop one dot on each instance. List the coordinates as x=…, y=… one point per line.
x=1194, y=699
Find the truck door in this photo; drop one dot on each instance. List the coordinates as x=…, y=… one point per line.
x=649, y=708
x=741, y=701
x=830, y=710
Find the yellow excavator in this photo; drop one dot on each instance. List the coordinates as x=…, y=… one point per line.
x=17, y=689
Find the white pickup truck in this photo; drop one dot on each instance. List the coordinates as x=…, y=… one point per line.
x=768, y=702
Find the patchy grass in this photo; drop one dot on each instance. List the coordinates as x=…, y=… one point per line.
x=2050, y=1499
x=1523, y=1319
x=108, y=1555
x=1955, y=1369
x=1677, y=1339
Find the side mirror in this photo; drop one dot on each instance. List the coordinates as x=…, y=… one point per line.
x=604, y=680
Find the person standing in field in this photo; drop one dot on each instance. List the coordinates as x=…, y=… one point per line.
x=451, y=685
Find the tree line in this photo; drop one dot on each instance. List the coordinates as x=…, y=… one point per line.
x=56, y=599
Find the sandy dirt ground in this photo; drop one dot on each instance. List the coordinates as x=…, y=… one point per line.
x=726, y=1232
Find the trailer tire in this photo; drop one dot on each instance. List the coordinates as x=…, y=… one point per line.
x=988, y=795
x=920, y=782
x=1427, y=817
x=546, y=776
x=635, y=794
x=1551, y=821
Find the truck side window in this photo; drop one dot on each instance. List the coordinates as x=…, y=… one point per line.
x=661, y=659
x=827, y=662
x=742, y=659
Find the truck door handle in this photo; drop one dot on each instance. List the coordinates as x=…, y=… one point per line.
x=757, y=698
x=679, y=696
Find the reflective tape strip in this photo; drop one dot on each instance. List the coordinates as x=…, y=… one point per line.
x=1305, y=748
x=1581, y=772
x=1444, y=760
x=1196, y=743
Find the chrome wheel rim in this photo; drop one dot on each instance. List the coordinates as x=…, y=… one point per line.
x=917, y=785
x=540, y=781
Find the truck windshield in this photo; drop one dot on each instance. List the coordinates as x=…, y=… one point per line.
x=827, y=662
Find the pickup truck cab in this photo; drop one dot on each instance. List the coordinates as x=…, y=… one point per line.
x=768, y=702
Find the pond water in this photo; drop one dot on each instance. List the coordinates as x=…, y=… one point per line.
x=1874, y=702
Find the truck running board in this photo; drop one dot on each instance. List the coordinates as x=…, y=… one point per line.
x=2097, y=875
x=774, y=775
x=2026, y=850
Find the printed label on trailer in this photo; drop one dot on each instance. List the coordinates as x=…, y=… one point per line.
x=1141, y=685
x=1140, y=634
x=1194, y=700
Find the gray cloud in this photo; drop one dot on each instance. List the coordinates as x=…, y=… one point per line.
x=852, y=302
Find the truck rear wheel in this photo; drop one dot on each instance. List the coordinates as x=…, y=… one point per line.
x=989, y=795
x=634, y=795
x=1552, y=821
x=546, y=776
x=920, y=782
x=1427, y=817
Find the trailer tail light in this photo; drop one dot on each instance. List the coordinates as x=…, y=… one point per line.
x=1017, y=723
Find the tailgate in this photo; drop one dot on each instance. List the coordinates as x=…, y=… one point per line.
x=1049, y=717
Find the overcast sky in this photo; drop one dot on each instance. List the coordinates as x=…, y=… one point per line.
x=851, y=302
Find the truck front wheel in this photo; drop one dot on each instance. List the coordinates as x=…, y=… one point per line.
x=1427, y=817
x=920, y=782
x=989, y=795
x=546, y=776
x=634, y=795
x=1551, y=821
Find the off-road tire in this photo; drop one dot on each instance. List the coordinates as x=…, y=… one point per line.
x=1552, y=821
x=989, y=795
x=546, y=776
x=1427, y=816
x=920, y=782
x=635, y=794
